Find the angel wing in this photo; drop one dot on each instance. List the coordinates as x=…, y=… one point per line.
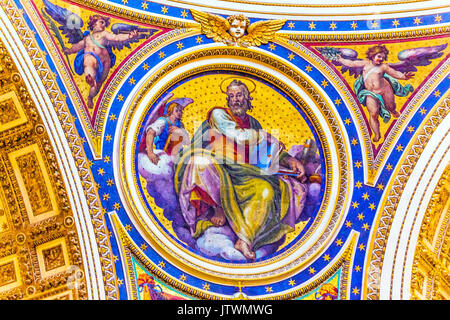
x=345, y=53
x=212, y=26
x=412, y=58
x=261, y=32
x=70, y=23
x=155, y=114
x=118, y=28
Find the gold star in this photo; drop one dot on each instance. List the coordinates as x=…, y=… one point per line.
x=199, y=40
x=355, y=290
x=374, y=24
x=145, y=66
x=144, y=5
x=372, y=206
x=162, y=54
x=164, y=10
x=362, y=247
x=120, y=97
x=100, y=171
x=358, y=184
x=291, y=25
x=348, y=224
x=399, y=148
x=109, y=182
x=272, y=46
x=365, y=196
x=269, y=289
x=115, y=258
x=82, y=140
x=354, y=25
x=437, y=93
x=395, y=23
x=180, y=45
x=417, y=21
x=339, y=242
x=291, y=56
x=312, y=25
x=357, y=268
x=97, y=186
x=423, y=111
x=324, y=83
x=143, y=247
x=106, y=196
x=292, y=282
x=438, y=18
x=358, y=164
x=184, y=13
x=108, y=137
x=333, y=26
x=355, y=204
x=132, y=81
x=183, y=277
x=119, y=282
x=354, y=142
x=360, y=216
x=116, y=205
x=326, y=257
x=312, y=270
x=410, y=129
x=337, y=101
x=106, y=159
x=366, y=226
x=389, y=167
x=112, y=117
x=125, y=1
x=128, y=227
x=308, y=68
x=380, y=186
x=162, y=264
x=347, y=121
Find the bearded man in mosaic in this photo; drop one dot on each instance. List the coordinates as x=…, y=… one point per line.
x=216, y=173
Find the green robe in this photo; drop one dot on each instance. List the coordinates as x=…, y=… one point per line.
x=362, y=93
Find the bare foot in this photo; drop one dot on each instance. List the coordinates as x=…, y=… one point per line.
x=376, y=138
x=218, y=219
x=396, y=114
x=90, y=103
x=90, y=80
x=245, y=249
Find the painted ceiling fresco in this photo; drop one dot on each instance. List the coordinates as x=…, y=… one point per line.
x=221, y=153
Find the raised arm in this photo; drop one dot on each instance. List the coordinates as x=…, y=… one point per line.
x=121, y=36
x=352, y=63
x=397, y=74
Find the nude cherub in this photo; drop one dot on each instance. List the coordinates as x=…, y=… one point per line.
x=377, y=82
x=96, y=58
x=373, y=71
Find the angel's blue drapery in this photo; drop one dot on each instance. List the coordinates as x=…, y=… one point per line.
x=399, y=90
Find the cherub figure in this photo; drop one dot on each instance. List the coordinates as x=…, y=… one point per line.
x=377, y=82
x=236, y=30
x=93, y=47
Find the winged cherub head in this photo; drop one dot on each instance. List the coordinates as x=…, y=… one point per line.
x=238, y=25
x=98, y=22
x=377, y=54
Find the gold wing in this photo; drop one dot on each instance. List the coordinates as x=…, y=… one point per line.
x=212, y=26
x=262, y=32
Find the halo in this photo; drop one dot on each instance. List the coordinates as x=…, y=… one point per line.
x=246, y=81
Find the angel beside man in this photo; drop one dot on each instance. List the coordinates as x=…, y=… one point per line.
x=377, y=82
